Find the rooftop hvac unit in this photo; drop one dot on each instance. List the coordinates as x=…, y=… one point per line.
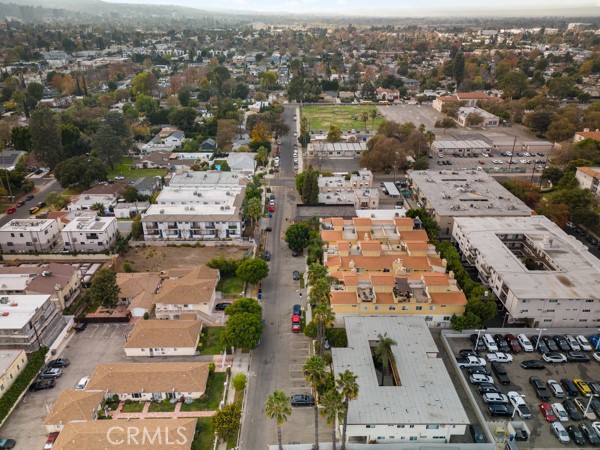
x=4, y=300
x=162, y=211
x=46, y=273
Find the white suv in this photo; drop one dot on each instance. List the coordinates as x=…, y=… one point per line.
x=519, y=404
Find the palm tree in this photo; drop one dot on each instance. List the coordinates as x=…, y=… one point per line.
x=278, y=407
x=324, y=317
x=430, y=137
x=422, y=128
x=348, y=388
x=333, y=410
x=316, y=272
x=316, y=373
x=373, y=114
x=383, y=351
x=364, y=118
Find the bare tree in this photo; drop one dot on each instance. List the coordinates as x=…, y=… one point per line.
x=320, y=154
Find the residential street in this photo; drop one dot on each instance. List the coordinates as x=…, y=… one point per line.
x=43, y=186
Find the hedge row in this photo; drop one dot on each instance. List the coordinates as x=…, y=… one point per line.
x=34, y=364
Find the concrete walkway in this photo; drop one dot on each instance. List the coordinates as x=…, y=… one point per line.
x=145, y=414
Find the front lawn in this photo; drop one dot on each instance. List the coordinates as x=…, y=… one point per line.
x=214, y=394
x=133, y=407
x=123, y=169
x=230, y=286
x=344, y=117
x=211, y=341
x=205, y=436
x=162, y=407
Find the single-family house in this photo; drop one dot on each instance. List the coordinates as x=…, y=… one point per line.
x=208, y=144
x=150, y=381
x=387, y=94
x=154, y=160
x=163, y=338
x=242, y=162
x=73, y=406
x=137, y=291
x=587, y=134
x=148, y=185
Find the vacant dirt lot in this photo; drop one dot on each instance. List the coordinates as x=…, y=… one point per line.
x=148, y=259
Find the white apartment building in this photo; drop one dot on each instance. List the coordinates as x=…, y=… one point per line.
x=90, y=234
x=542, y=275
x=353, y=188
x=29, y=235
x=213, y=179
x=589, y=178
x=416, y=402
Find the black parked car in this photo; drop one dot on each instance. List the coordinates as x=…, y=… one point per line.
x=589, y=433
x=577, y=357
x=478, y=369
x=562, y=343
x=480, y=345
x=572, y=410
x=303, y=400
x=488, y=388
x=60, y=362
x=500, y=410
x=500, y=373
x=41, y=384
x=467, y=352
x=29, y=197
x=539, y=344
x=501, y=343
x=540, y=388
x=80, y=327
x=550, y=344
x=570, y=388
x=576, y=435
x=221, y=306
x=533, y=364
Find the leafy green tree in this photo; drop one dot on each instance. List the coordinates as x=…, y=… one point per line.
x=239, y=381
x=316, y=272
x=316, y=373
x=144, y=83
x=513, y=84
x=254, y=210
x=253, y=270
x=35, y=91
x=184, y=97
x=468, y=321
x=56, y=200
x=46, y=140
x=348, y=387
x=21, y=138
x=561, y=129
x=146, y=104
x=334, y=134
x=262, y=156
x=364, y=118
x=80, y=172
x=268, y=80
x=367, y=90
x=244, y=305
x=71, y=138
x=108, y=145
x=183, y=117
x=333, y=411
x=226, y=421
x=310, y=188
x=323, y=315
x=458, y=68
x=104, y=289
x=296, y=236
x=552, y=174
x=137, y=229
x=278, y=407
x=383, y=351
x=242, y=330
x=538, y=120
x=130, y=194
x=445, y=123
x=561, y=87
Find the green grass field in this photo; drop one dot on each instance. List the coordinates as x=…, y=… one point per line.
x=211, y=342
x=345, y=117
x=231, y=285
x=204, y=437
x=124, y=169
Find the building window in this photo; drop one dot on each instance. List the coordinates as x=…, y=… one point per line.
x=377, y=308
x=405, y=308
x=419, y=308
x=392, y=308
x=523, y=311
x=552, y=301
x=413, y=438
x=446, y=318
x=363, y=308
x=431, y=308
x=586, y=310
x=432, y=427
x=583, y=320
x=547, y=320
x=370, y=426
x=136, y=395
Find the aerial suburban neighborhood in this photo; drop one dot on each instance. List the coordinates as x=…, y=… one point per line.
x=297, y=226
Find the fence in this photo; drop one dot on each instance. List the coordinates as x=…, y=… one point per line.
x=189, y=243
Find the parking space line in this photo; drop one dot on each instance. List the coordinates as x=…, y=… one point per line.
x=296, y=367
x=94, y=328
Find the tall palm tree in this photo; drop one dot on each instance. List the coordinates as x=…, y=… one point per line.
x=316, y=373
x=316, y=272
x=364, y=118
x=383, y=350
x=373, y=114
x=430, y=137
x=333, y=410
x=324, y=317
x=278, y=407
x=348, y=388
x=422, y=128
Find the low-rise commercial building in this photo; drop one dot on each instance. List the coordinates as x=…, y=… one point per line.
x=12, y=363
x=543, y=276
x=29, y=235
x=413, y=399
x=448, y=194
x=466, y=113
x=163, y=338
x=90, y=234
x=29, y=322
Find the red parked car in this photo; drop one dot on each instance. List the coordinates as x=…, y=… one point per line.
x=271, y=208
x=513, y=343
x=547, y=412
x=295, y=324
x=50, y=442
x=11, y=210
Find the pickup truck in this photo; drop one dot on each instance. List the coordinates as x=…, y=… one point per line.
x=470, y=361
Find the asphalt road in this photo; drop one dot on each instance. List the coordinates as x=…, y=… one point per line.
x=43, y=186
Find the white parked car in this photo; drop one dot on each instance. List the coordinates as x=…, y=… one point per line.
x=519, y=404
x=499, y=357
x=525, y=343
x=495, y=397
x=554, y=357
x=574, y=343
x=478, y=378
x=596, y=427
x=561, y=433
x=584, y=343
x=556, y=389
x=597, y=356
x=560, y=412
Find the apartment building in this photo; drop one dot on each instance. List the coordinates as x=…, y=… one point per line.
x=90, y=234
x=356, y=189
x=449, y=194
x=12, y=363
x=543, y=276
x=29, y=235
x=163, y=338
x=411, y=401
x=387, y=267
x=589, y=178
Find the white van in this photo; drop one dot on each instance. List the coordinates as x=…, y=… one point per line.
x=525, y=343
x=489, y=342
x=82, y=383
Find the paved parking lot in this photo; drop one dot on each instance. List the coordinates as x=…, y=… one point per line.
x=541, y=436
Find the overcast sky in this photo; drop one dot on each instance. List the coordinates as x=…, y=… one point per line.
x=374, y=7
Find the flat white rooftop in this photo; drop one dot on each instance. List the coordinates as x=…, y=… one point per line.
x=208, y=178
x=466, y=193
x=17, y=310
x=178, y=213
x=197, y=196
x=28, y=225
x=575, y=272
x=96, y=224
x=7, y=357
x=426, y=394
